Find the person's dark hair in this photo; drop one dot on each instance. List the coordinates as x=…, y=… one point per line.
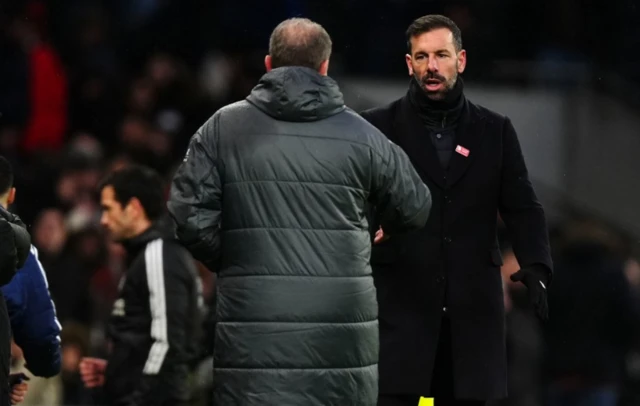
x=299, y=42
x=432, y=22
x=140, y=182
x=6, y=175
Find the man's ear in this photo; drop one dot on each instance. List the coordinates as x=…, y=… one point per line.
x=324, y=68
x=407, y=59
x=12, y=196
x=133, y=208
x=462, y=60
x=267, y=63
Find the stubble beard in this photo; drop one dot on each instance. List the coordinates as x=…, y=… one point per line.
x=438, y=94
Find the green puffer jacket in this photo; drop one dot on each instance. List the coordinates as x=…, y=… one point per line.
x=272, y=195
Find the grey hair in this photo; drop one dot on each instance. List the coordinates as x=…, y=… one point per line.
x=299, y=42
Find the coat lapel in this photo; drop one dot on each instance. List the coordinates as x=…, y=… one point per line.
x=469, y=135
x=414, y=139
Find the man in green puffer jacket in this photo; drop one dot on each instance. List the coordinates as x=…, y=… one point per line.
x=272, y=195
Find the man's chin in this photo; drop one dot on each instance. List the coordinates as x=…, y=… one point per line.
x=436, y=95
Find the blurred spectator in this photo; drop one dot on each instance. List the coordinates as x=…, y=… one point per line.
x=631, y=391
x=50, y=235
x=46, y=85
x=593, y=321
x=75, y=345
x=632, y=272
x=142, y=97
x=70, y=278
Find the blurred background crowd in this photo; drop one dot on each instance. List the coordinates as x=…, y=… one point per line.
x=90, y=85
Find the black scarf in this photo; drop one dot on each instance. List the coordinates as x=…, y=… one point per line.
x=437, y=113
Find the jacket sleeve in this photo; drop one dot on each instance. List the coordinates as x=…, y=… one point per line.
x=20, y=234
x=169, y=284
x=196, y=196
x=36, y=329
x=402, y=201
x=519, y=207
x=7, y=253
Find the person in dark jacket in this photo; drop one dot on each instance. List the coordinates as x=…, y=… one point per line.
x=442, y=320
x=272, y=195
x=155, y=323
x=15, y=243
x=32, y=314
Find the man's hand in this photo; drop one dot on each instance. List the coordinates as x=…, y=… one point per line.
x=92, y=372
x=18, y=387
x=18, y=392
x=380, y=236
x=535, y=278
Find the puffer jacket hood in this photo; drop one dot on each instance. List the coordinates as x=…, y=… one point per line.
x=297, y=94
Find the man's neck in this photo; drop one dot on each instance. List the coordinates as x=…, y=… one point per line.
x=141, y=227
x=437, y=113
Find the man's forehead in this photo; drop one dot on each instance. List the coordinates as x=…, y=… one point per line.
x=107, y=195
x=106, y=191
x=438, y=38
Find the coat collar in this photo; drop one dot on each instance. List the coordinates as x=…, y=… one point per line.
x=413, y=136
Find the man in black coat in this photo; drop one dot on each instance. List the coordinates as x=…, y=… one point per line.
x=442, y=324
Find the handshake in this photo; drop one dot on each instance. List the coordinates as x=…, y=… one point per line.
x=15, y=243
x=380, y=236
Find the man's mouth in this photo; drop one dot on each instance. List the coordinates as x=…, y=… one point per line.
x=433, y=85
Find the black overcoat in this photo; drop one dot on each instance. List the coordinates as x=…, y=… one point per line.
x=453, y=264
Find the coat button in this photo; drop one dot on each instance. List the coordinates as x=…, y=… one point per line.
x=444, y=309
x=440, y=279
x=447, y=239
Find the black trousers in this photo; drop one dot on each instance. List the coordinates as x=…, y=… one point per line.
x=442, y=379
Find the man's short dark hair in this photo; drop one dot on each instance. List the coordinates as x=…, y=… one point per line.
x=140, y=182
x=299, y=42
x=432, y=22
x=6, y=175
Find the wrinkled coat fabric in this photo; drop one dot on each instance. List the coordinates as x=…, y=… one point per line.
x=272, y=195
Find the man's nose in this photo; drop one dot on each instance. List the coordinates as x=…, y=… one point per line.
x=433, y=65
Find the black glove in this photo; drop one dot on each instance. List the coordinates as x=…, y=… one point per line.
x=536, y=279
x=21, y=236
